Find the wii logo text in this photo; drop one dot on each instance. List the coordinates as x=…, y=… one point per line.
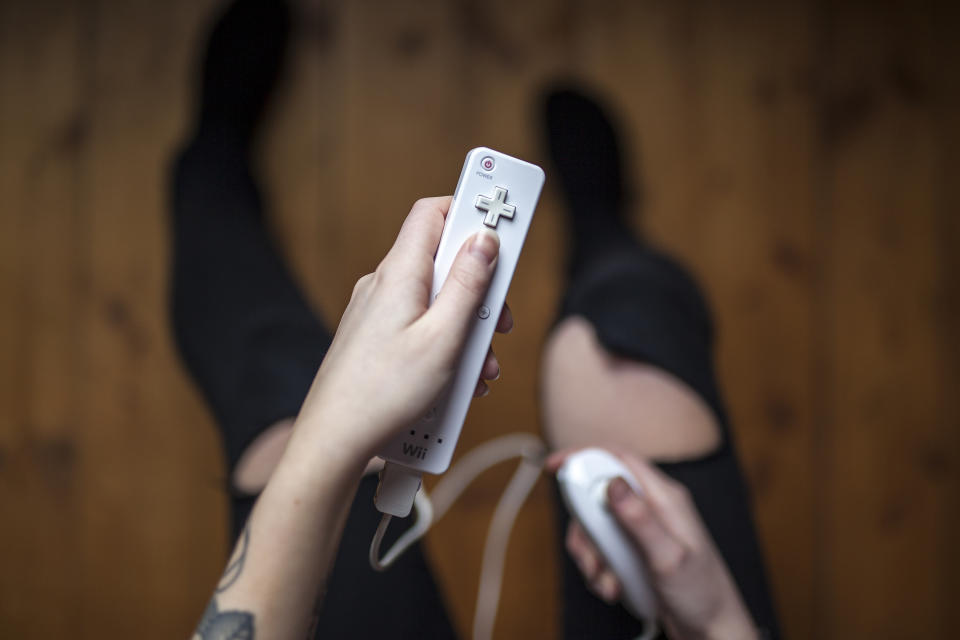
x=418, y=451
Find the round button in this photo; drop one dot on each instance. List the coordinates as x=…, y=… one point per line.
x=488, y=163
x=483, y=312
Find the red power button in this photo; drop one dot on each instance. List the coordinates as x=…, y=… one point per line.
x=487, y=163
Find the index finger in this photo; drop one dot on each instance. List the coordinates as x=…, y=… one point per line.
x=556, y=459
x=680, y=516
x=416, y=244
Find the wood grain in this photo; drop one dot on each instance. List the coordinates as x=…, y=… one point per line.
x=800, y=157
x=41, y=461
x=945, y=83
x=886, y=503
x=152, y=533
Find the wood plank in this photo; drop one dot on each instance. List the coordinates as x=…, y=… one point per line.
x=945, y=83
x=889, y=475
x=153, y=531
x=42, y=131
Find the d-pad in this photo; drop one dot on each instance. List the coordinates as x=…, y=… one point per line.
x=496, y=207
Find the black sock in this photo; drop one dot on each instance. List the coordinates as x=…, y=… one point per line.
x=242, y=62
x=588, y=161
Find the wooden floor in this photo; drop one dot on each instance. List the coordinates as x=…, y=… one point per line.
x=799, y=156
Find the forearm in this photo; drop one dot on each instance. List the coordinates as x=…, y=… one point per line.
x=392, y=355
x=279, y=567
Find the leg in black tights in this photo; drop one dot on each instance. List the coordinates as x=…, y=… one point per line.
x=245, y=332
x=643, y=306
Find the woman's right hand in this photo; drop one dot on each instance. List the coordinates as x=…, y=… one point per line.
x=696, y=593
x=394, y=351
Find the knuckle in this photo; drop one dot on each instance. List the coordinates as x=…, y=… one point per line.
x=694, y=549
x=671, y=563
x=467, y=279
x=634, y=515
x=590, y=563
x=383, y=269
x=362, y=285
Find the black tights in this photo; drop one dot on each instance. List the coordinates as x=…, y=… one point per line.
x=253, y=346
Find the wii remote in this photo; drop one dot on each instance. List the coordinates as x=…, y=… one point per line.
x=583, y=481
x=498, y=192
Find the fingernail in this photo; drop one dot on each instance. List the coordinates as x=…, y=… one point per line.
x=618, y=490
x=485, y=245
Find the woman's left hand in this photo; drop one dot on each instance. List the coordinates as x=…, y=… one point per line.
x=696, y=594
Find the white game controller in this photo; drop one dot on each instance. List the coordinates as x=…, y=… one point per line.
x=496, y=192
x=583, y=479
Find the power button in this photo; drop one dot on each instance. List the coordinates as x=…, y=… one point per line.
x=488, y=163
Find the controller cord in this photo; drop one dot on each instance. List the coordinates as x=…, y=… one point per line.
x=431, y=508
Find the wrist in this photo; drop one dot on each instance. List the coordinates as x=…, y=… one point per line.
x=322, y=448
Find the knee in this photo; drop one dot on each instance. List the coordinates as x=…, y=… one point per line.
x=590, y=397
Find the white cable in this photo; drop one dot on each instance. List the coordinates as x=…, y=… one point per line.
x=526, y=446
x=420, y=526
x=446, y=492
x=375, y=561
x=495, y=549
x=478, y=460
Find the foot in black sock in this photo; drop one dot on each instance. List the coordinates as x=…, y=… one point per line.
x=244, y=56
x=587, y=158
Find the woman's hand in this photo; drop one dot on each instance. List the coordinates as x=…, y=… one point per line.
x=394, y=352
x=697, y=595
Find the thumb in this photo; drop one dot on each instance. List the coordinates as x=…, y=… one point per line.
x=661, y=550
x=455, y=308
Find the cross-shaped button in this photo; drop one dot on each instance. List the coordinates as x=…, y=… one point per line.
x=496, y=207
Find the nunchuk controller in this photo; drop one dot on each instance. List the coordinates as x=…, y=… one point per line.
x=500, y=193
x=583, y=481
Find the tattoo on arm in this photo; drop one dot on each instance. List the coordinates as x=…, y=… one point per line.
x=228, y=625
x=235, y=566
x=224, y=625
